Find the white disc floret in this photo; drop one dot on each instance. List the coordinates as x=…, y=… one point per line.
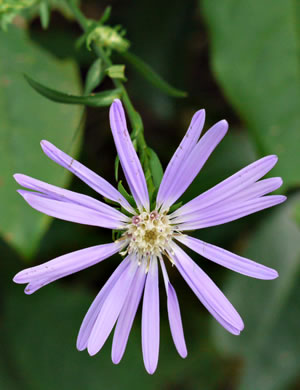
x=148, y=234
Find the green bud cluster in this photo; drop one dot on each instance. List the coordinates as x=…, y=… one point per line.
x=108, y=37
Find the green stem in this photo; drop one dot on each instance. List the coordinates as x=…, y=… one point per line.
x=82, y=20
x=134, y=117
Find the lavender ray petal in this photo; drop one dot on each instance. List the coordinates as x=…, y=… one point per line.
x=251, y=192
x=127, y=315
x=89, y=177
x=176, y=322
x=187, y=144
x=94, y=310
x=207, y=292
x=229, y=260
x=68, y=264
x=128, y=158
x=231, y=212
x=111, y=309
x=195, y=161
x=69, y=211
x=174, y=315
x=63, y=195
x=255, y=190
x=150, y=319
x=230, y=186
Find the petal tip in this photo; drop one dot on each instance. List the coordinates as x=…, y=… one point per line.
x=273, y=274
x=200, y=112
x=151, y=370
x=92, y=351
x=17, y=278
x=282, y=198
x=115, y=359
x=279, y=181
x=183, y=353
x=79, y=346
x=273, y=159
x=17, y=177
x=225, y=124
x=28, y=290
x=47, y=146
x=44, y=143
x=22, y=193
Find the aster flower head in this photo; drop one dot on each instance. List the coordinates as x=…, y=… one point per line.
x=150, y=238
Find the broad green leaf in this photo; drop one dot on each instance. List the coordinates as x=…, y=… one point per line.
x=94, y=76
x=255, y=57
x=150, y=75
x=100, y=99
x=26, y=119
x=269, y=344
x=155, y=167
x=296, y=213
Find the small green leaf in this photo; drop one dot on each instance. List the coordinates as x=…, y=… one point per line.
x=44, y=14
x=127, y=196
x=175, y=207
x=83, y=38
x=155, y=167
x=95, y=75
x=109, y=201
x=137, y=125
x=106, y=15
x=149, y=181
x=151, y=76
x=116, y=72
x=116, y=234
x=117, y=162
x=101, y=99
x=153, y=199
x=134, y=143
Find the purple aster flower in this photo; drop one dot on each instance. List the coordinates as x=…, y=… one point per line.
x=149, y=238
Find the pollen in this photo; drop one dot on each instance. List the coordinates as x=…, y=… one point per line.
x=149, y=234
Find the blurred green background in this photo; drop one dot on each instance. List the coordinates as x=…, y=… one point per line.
x=240, y=61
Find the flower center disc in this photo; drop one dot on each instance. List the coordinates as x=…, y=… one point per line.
x=149, y=234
